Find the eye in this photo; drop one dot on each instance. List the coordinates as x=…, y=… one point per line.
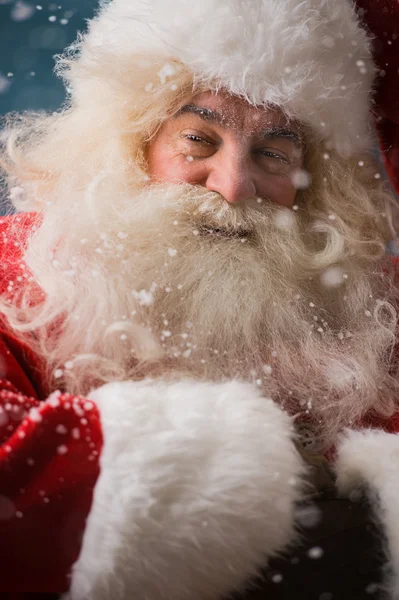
x=273, y=155
x=196, y=145
x=274, y=163
x=195, y=138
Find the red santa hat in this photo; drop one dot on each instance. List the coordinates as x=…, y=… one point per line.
x=310, y=57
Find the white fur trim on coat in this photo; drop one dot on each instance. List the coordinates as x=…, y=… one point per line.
x=310, y=57
x=370, y=460
x=197, y=488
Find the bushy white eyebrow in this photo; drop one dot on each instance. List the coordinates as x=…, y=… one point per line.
x=270, y=133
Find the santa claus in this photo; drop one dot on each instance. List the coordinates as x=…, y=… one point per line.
x=194, y=286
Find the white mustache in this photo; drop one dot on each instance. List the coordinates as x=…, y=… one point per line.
x=207, y=209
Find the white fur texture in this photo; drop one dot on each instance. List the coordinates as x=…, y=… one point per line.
x=309, y=56
x=370, y=460
x=197, y=488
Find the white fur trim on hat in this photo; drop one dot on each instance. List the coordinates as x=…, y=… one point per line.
x=310, y=57
x=197, y=488
x=369, y=460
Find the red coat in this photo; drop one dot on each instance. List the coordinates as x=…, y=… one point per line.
x=48, y=461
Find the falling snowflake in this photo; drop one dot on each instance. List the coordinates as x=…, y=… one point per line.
x=301, y=179
x=308, y=516
x=17, y=191
x=22, y=11
x=35, y=415
x=284, y=219
x=315, y=552
x=332, y=277
x=144, y=297
x=53, y=399
x=167, y=71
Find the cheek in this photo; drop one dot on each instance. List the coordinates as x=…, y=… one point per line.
x=279, y=190
x=157, y=159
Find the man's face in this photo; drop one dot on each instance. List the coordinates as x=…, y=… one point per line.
x=226, y=145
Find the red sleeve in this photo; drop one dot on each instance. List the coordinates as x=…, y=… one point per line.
x=49, y=449
x=382, y=19
x=48, y=468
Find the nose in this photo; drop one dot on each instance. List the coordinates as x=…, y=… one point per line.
x=231, y=178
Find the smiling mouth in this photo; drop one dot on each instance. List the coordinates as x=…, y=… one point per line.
x=224, y=233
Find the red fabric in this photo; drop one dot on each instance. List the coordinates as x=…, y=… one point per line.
x=382, y=19
x=49, y=453
x=49, y=464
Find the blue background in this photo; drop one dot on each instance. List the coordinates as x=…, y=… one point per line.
x=31, y=33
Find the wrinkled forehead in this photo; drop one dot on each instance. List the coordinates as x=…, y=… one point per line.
x=234, y=112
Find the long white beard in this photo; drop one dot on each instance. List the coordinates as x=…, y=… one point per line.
x=216, y=281
x=223, y=292
x=250, y=292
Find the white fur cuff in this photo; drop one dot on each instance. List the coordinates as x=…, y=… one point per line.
x=197, y=487
x=370, y=460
